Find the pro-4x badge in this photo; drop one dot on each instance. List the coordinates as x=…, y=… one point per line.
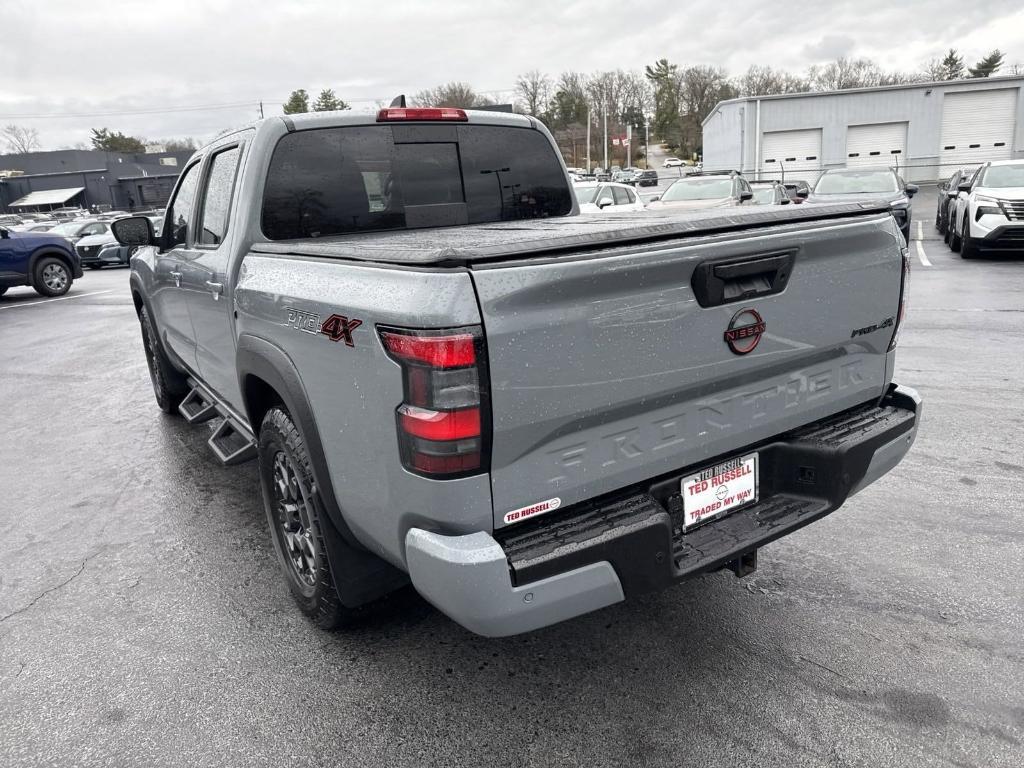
x=335, y=327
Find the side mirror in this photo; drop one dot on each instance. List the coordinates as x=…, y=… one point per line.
x=604, y=202
x=134, y=230
x=803, y=192
x=784, y=201
x=911, y=190
x=964, y=186
x=744, y=196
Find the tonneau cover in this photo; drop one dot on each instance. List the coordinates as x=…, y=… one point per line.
x=460, y=246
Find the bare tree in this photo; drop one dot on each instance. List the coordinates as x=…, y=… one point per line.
x=20, y=139
x=765, y=81
x=533, y=90
x=454, y=94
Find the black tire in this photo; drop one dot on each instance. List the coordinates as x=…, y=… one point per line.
x=94, y=266
x=297, y=518
x=954, y=237
x=51, y=277
x=968, y=250
x=169, y=386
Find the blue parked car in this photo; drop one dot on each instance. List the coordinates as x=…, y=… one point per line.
x=46, y=262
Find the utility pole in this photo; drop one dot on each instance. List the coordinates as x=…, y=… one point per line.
x=604, y=108
x=589, y=120
x=261, y=110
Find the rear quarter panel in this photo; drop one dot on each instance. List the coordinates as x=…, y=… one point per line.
x=354, y=391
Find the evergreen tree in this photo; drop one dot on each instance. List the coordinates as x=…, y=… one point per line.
x=297, y=103
x=987, y=66
x=328, y=102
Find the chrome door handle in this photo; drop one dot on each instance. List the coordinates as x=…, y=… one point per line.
x=215, y=288
x=176, y=277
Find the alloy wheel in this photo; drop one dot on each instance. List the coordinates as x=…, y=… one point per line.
x=291, y=509
x=55, y=277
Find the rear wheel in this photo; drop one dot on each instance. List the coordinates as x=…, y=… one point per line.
x=169, y=386
x=51, y=277
x=298, y=519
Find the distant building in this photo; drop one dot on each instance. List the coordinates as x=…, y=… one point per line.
x=39, y=181
x=925, y=130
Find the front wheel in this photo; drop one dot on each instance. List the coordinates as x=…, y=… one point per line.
x=954, y=236
x=968, y=250
x=297, y=518
x=51, y=277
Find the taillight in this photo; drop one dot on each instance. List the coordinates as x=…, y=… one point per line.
x=396, y=114
x=444, y=419
x=904, y=287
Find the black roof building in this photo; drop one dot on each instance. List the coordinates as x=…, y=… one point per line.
x=88, y=178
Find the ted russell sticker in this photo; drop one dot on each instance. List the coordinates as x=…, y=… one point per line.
x=517, y=515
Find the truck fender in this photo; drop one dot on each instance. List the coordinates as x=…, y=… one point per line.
x=359, y=575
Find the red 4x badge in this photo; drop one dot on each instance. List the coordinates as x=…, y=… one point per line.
x=339, y=327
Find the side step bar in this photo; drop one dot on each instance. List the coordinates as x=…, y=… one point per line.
x=232, y=445
x=231, y=442
x=195, y=408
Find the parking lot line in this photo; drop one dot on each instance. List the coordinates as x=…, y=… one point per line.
x=59, y=298
x=920, y=247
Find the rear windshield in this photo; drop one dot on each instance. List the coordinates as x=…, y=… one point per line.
x=854, y=182
x=698, y=189
x=363, y=178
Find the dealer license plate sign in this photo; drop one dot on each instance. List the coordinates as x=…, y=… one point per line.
x=719, y=490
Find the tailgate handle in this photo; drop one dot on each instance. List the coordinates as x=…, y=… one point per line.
x=724, y=281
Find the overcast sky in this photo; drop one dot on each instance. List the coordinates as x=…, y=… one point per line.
x=72, y=57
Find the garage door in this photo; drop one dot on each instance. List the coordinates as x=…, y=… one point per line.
x=977, y=126
x=883, y=144
x=796, y=152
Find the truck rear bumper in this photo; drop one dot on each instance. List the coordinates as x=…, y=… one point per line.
x=596, y=554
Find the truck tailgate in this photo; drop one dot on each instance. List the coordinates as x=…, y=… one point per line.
x=612, y=367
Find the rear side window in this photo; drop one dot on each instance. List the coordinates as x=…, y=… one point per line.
x=365, y=178
x=217, y=200
x=621, y=198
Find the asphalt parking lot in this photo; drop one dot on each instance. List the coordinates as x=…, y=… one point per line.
x=143, y=620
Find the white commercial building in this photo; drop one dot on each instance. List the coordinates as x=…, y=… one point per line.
x=925, y=130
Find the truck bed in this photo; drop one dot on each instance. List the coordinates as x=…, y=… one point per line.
x=463, y=246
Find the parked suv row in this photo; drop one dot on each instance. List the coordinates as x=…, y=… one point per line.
x=987, y=211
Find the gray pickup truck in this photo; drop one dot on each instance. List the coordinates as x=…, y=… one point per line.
x=448, y=377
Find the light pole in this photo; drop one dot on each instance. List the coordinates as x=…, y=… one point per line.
x=647, y=142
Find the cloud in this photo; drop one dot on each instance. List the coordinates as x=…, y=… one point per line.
x=237, y=52
x=829, y=48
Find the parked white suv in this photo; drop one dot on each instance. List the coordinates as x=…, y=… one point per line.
x=990, y=216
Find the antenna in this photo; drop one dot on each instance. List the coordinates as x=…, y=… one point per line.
x=398, y=101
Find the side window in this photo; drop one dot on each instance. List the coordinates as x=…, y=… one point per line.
x=180, y=208
x=631, y=195
x=217, y=199
x=621, y=198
